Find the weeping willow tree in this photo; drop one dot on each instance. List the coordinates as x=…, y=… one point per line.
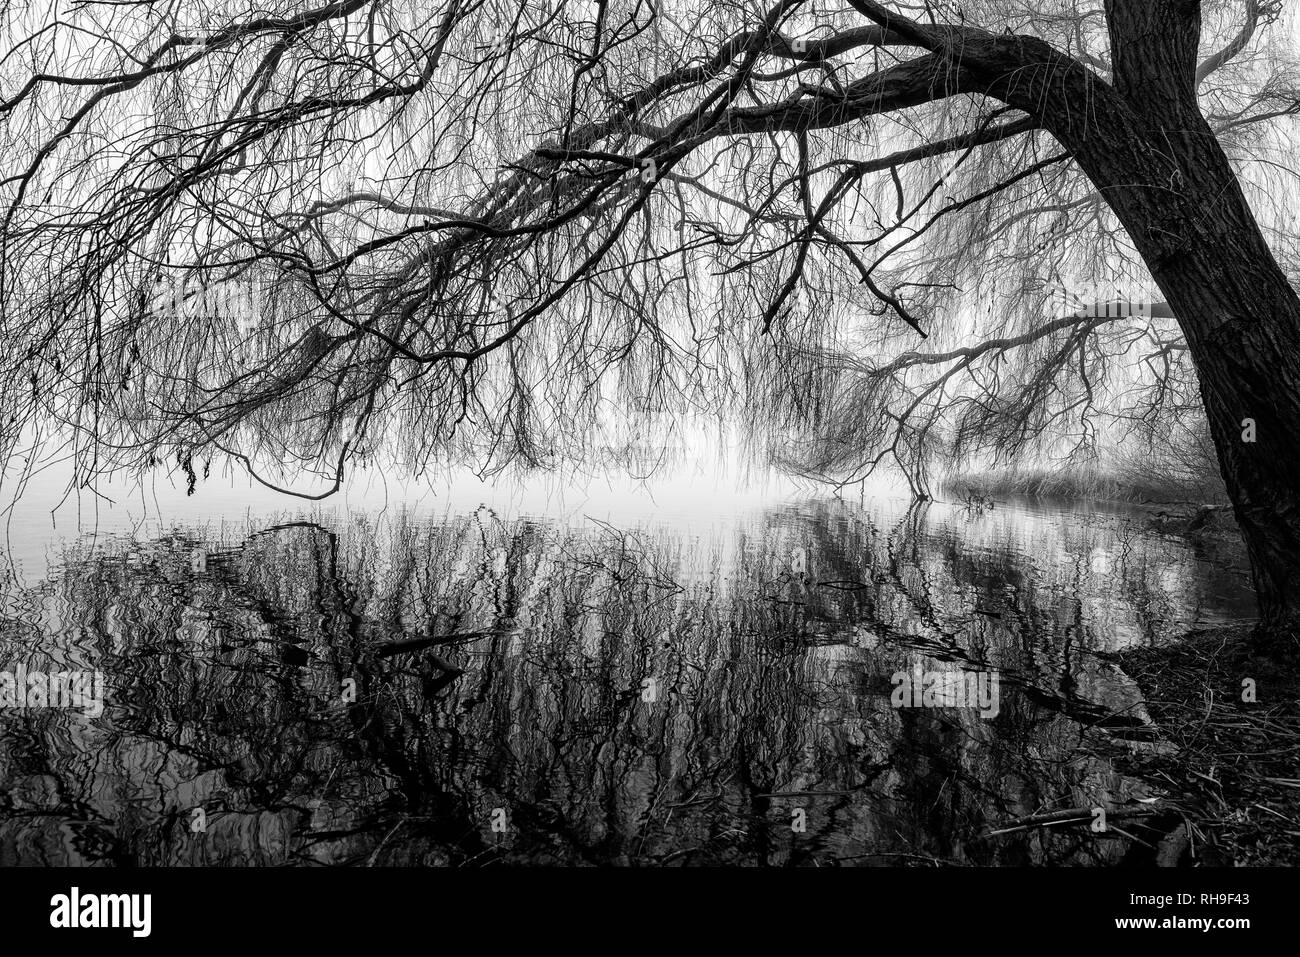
x=504, y=232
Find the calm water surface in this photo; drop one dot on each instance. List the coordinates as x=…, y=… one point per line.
x=586, y=692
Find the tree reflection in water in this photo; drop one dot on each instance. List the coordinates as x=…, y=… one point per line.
x=770, y=643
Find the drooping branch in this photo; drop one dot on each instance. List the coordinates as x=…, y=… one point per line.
x=572, y=213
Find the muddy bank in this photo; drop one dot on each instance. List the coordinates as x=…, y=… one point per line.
x=1210, y=529
x=1232, y=775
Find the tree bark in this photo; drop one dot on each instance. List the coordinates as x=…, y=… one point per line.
x=1242, y=322
x=1163, y=172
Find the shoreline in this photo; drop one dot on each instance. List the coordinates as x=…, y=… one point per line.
x=1232, y=775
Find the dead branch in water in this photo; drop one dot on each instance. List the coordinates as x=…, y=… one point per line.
x=1074, y=815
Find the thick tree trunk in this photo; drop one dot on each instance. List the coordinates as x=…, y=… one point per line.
x=1161, y=168
x=1241, y=318
x=1242, y=322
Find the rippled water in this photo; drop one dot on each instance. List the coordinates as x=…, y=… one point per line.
x=530, y=690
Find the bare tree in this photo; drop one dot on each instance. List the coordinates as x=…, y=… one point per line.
x=282, y=235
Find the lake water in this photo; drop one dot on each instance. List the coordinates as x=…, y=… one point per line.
x=707, y=682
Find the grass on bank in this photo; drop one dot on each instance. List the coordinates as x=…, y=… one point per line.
x=1128, y=485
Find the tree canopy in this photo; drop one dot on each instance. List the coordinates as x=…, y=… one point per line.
x=518, y=231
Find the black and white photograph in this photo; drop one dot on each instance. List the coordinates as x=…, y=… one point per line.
x=478, y=443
